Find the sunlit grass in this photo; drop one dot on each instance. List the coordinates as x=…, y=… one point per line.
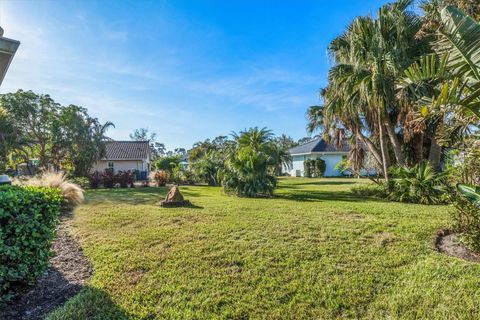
x=313, y=251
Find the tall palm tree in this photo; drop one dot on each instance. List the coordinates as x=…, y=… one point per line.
x=368, y=60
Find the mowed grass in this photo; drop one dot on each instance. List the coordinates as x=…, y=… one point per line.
x=315, y=251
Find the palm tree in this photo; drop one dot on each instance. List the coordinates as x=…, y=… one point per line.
x=445, y=86
x=361, y=95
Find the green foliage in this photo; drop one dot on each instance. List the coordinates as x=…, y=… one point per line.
x=418, y=184
x=28, y=217
x=35, y=126
x=167, y=163
x=82, y=182
x=466, y=200
x=314, y=168
x=472, y=194
x=248, y=168
x=268, y=258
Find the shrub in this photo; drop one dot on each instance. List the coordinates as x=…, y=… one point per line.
x=249, y=177
x=159, y=177
x=108, y=179
x=314, y=168
x=124, y=178
x=82, y=182
x=95, y=180
x=418, y=184
x=72, y=194
x=28, y=217
x=466, y=200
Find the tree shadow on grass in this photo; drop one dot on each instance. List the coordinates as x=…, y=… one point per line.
x=147, y=195
x=90, y=303
x=328, y=183
x=318, y=196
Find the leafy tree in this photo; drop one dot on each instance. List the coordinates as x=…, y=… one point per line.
x=207, y=159
x=35, y=115
x=143, y=134
x=167, y=163
x=35, y=126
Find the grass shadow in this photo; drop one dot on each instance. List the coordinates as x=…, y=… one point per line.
x=90, y=303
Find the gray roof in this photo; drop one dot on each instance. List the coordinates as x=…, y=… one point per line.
x=318, y=145
x=127, y=150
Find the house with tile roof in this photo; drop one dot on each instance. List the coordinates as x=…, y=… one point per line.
x=124, y=156
x=317, y=149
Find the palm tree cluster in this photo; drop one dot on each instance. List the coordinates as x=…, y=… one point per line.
x=246, y=165
x=404, y=86
x=251, y=166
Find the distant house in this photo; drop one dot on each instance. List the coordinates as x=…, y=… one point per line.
x=124, y=156
x=317, y=149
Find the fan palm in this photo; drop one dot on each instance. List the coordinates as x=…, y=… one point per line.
x=369, y=57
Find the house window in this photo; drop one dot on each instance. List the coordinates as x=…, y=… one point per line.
x=110, y=166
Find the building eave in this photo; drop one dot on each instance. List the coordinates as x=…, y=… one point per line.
x=320, y=153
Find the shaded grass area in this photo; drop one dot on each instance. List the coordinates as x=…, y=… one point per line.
x=315, y=250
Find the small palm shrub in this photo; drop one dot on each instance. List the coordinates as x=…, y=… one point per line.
x=247, y=176
x=419, y=184
x=72, y=194
x=28, y=218
x=159, y=177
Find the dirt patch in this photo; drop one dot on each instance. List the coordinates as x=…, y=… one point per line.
x=69, y=271
x=449, y=243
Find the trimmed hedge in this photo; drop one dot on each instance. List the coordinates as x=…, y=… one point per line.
x=28, y=218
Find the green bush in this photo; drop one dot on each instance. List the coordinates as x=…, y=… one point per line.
x=248, y=176
x=314, y=168
x=466, y=199
x=28, y=217
x=82, y=182
x=419, y=184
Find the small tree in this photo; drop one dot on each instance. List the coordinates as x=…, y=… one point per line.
x=314, y=168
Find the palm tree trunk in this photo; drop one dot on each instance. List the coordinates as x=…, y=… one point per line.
x=435, y=153
x=371, y=148
x=417, y=143
x=397, y=147
x=383, y=148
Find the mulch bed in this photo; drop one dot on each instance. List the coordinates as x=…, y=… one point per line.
x=448, y=243
x=69, y=271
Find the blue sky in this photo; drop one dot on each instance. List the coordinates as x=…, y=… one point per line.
x=188, y=70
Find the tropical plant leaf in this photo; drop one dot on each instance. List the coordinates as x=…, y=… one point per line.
x=472, y=194
x=461, y=38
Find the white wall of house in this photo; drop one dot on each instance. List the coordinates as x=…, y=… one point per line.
x=121, y=165
x=331, y=160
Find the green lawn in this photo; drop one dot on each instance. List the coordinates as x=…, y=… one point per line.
x=313, y=251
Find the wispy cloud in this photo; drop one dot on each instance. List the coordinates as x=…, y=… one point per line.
x=139, y=80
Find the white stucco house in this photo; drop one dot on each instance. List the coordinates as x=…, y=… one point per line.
x=316, y=149
x=124, y=156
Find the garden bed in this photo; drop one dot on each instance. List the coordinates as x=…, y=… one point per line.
x=449, y=243
x=69, y=271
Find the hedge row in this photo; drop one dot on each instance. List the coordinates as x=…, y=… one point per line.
x=28, y=219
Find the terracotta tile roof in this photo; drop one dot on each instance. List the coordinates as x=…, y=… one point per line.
x=127, y=150
x=318, y=145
